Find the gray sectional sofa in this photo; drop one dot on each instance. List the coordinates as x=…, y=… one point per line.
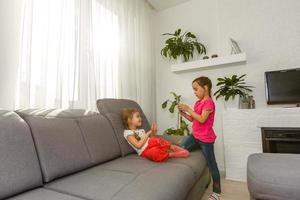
x=82, y=155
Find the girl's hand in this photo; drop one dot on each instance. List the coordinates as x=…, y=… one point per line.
x=154, y=128
x=185, y=115
x=182, y=113
x=149, y=133
x=183, y=107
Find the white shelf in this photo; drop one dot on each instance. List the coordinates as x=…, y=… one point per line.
x=211, y=62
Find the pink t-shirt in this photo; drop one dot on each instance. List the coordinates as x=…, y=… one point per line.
x=204, y=131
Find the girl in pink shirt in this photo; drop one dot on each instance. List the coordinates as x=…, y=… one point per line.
x=202, y=117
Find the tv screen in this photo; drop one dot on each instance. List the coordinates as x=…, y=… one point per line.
x=283, y=86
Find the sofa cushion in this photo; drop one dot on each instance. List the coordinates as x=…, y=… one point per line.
x=95, y=183
x=19, y=166
x=100, y=138
x=116, y=105
x=136, y=164
x=168, y=181
x=128, y=165
x=60, y=146
x=196, y=162
x=112, y=109
x=274, y=176
x=56, y=113
x=139, y=165
x=44, y=194
x=133, y=180
x=116, y=122
x=96, y=130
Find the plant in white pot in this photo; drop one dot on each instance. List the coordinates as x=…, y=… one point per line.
x=181, y=47
x=232, y=89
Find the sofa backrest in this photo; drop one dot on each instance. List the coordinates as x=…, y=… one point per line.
x=100, y=138
x=19, y=165
x=112, y=109
x=68, y=141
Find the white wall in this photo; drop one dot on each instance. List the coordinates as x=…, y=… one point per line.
x=267, y=30
x=10, y=21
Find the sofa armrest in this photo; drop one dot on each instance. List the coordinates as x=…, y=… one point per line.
x=174, y=139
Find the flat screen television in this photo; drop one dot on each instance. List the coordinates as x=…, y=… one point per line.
x=283, y=86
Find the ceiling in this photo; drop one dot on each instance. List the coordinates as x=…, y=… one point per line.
x=163, y=4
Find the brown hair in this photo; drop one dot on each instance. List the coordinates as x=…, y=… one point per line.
x=127, y=113
x=204, y=81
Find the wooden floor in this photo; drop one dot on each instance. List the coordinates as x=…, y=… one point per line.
x=231, y=190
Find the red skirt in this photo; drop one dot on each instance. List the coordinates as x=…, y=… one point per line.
x=157, y=149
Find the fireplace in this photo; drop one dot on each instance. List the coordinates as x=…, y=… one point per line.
x=281, y=140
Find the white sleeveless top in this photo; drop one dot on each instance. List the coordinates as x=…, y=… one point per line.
x=141, y=133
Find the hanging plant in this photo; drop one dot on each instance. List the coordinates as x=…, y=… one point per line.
x=182, y=45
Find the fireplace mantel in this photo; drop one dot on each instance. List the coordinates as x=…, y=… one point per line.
x=242, y=134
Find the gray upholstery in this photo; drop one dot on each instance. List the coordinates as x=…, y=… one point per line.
x=200, y=186
x=100, y=138
x=196, y=162
x=116, y=105
x=79, y=153
x=274, y=176
x=60, y=146
x=129, y=180
x=112, y=108
x=96, y=130
x=95, y=183
x=165, y=182
x=174, y=139
x=118, y=128
x=44, y=194
x=128, y=165
x=56, y=113
x=19, y=167
x=33, y=112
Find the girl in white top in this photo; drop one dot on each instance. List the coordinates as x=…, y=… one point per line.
x=146, y=144
x=139, y=133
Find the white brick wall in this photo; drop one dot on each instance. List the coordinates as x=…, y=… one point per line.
x=242, y=134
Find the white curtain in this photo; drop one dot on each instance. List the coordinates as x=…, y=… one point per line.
x=76, y=51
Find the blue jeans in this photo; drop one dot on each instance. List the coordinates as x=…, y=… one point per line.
x=191, y=143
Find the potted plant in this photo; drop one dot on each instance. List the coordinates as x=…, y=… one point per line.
x=182, y=46
x=230, y=88
x=182, y=126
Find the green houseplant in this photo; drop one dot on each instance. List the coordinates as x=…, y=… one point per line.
x=230, y=87
x=182, y=126
x=184, y=45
